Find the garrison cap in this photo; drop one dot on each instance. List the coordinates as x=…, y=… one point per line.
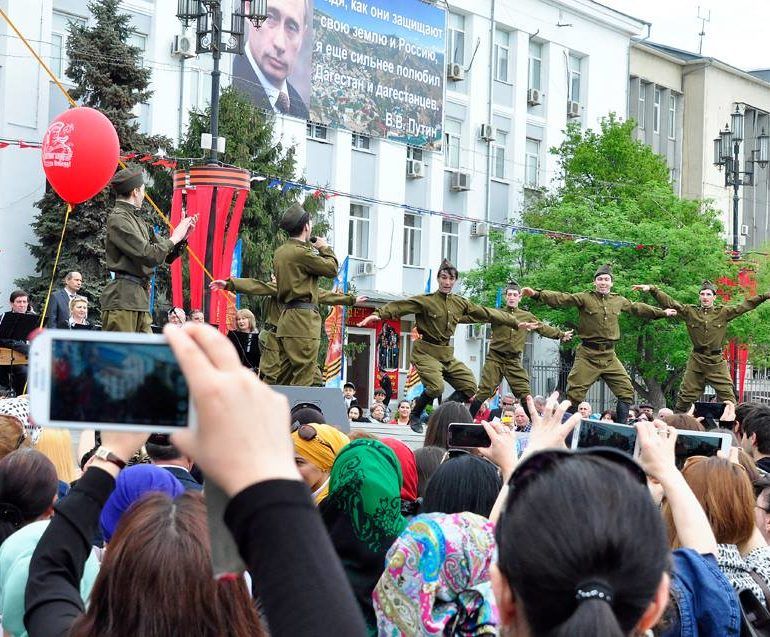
x=446, y=266
x=126, y=179
x=513, y=285
x=292, y=216
x=604, y=269
x=708, y=285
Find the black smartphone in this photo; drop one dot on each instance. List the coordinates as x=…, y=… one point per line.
x=461, y=434
x=599, y=433
x=713, y=411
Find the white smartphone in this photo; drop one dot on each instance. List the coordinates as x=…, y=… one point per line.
x=700, y=443
x=600, y=433
x=107, y=380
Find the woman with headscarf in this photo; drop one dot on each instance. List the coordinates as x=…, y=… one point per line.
x=437, y=578
x=410, y=500
x=315, y=448
x=363, y=515
x=132, y=484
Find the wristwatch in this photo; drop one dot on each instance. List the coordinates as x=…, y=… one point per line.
x=108, y=456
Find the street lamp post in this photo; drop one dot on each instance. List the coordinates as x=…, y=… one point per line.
x=212, y=37
x=727, y=147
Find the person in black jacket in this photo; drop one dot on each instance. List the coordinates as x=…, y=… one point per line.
x=59, y=305
x=166, y=456
x=242, y=443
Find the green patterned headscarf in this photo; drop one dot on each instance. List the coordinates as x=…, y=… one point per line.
x=362, y=514
x=365, y=484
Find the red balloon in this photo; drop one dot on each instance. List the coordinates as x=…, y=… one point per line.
x=80, y=153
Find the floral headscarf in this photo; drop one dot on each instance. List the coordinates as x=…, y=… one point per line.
x=436, y=578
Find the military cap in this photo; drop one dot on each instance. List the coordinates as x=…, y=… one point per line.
x=513, y=285
x=292, y=216
x=126, y=179
x=708, y=285
x=446, y=266
x=604, y=269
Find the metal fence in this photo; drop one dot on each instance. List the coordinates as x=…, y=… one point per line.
x=544, y=379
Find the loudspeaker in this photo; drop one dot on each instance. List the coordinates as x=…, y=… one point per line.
x=328, y=399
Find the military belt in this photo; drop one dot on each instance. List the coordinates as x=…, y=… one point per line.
x=433, y=341
x=138, y=280
x=706, y=350
x=601, y=347
x=300, y=305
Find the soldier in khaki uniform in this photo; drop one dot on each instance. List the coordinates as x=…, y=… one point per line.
x=270, y=360
x=298, y=265
x=506, y=348
x=437, y=316
x=132, y=251
x=599, y=330
x=707, y=326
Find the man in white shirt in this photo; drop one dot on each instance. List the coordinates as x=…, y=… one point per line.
x=271, y=55
x=59, y=306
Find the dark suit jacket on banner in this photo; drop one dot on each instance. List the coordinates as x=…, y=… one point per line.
x=59, y=309
x=245, y=80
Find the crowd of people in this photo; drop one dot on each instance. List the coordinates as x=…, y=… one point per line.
x=353, y=534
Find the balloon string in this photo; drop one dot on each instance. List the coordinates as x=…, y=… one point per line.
x=55, y=265
x=73, y=103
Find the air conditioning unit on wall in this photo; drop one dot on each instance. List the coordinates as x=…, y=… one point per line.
x=415, y=169
x=183, y=46
x=366, y=268
x=455, y=72
x=573, y=109
x=474, y=331
x=460, y=181
x=534, y=97
x=479, y=229
x=487, y=133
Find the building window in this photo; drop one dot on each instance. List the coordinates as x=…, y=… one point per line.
x=656, y=112
x=452, y=135
x=59, y=35
x=412, y=152
x=502, y=54
x=575, y=75
x=672, y=116
x=450, y=236
x=358, y=231
x=361, y=142
x=405, y=351
x=498, y=154
x=532, y=163
x=535, y=64
x=317, y=131
x=412, y=239
x=642, y=104
x=139, y=40
x=455, y=41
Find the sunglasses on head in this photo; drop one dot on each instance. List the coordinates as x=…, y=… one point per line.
x=545, y=460
x=308, y=433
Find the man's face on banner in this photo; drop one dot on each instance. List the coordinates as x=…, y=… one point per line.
x=276, y=44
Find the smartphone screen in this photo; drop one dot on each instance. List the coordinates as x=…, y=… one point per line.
x=120, y=383
x=709, y=410
x=467, y=435
x=598, y=433
x=693, y=443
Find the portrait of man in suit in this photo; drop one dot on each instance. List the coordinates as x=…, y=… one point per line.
x=271, y=56
x=59, y=305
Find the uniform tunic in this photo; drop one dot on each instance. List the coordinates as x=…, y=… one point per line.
x=599, y=330
x=707, y=328
x=270, y=361
x=505, y=350
x=436, y=317
x=132, y=248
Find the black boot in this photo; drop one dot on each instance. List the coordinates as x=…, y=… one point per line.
x=525, y=407
x=458, y=396
x=475, y=406
x=420, y=403
x=621, y=412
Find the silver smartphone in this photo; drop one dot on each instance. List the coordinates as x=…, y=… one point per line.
x=600, y=433
x=107, y=380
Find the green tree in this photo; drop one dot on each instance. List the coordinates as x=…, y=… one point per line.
x=615, y=188
x=108, y=76
x=249, y=134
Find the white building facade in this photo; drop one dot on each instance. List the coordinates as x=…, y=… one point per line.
x=518, y=72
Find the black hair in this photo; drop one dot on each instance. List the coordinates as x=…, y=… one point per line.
x=451, y=271
x=162, y=452
x=438, y=423
x=427, y=460
x=741, y=413
x=463, y=483
x=18, y=294
x=757, y=421
x=28, y=485
x=296, y=230
x=305, y=413
x=602, y=527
